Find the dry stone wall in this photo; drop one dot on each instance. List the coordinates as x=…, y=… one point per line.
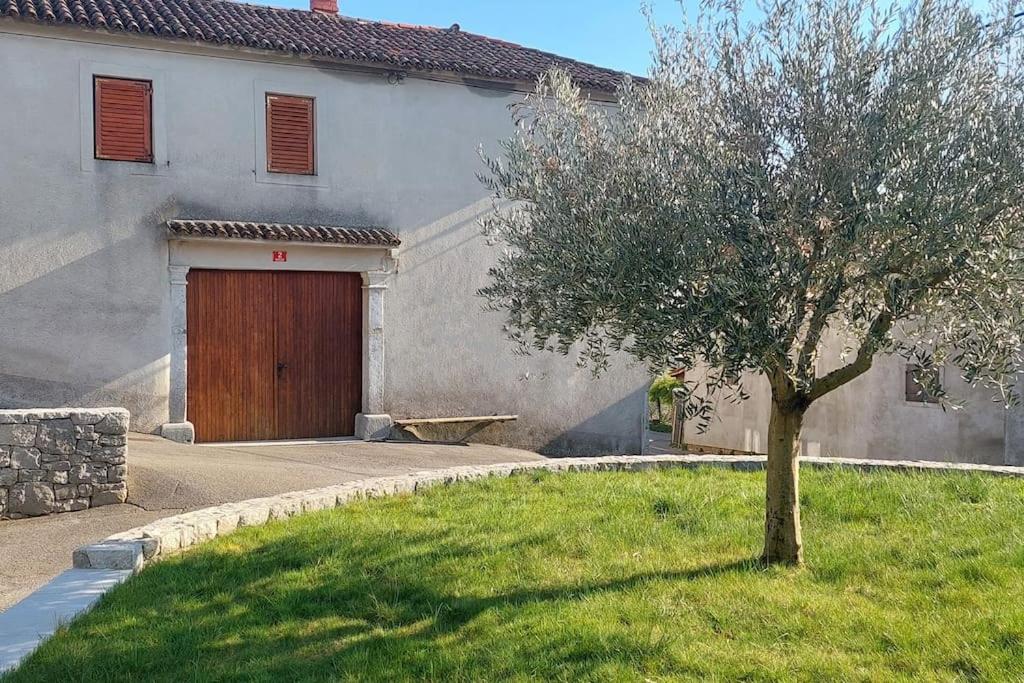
x=61, y=460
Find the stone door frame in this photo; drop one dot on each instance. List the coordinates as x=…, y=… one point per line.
x=376, y=265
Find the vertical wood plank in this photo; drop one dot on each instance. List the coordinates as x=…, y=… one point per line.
x=319, y=333
x=230, y=328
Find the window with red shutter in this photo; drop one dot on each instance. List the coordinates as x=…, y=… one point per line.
x=123, y=119
x=290, y=134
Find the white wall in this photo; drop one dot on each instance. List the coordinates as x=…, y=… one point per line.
x=870, y=418
x=84, y=311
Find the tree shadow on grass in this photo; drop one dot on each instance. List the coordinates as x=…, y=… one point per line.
x=362, y=608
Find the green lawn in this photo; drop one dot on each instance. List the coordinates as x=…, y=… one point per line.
x=584, y=577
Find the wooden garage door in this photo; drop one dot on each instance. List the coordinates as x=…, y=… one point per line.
x=273, y=355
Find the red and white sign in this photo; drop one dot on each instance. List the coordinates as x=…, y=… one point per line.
x=280, y=256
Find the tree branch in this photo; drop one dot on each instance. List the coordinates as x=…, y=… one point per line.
x=823, y=307
x=861, y=364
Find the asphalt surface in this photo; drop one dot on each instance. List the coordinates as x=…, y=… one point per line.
x=165, y=478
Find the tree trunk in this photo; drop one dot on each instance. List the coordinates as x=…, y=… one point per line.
x=782, y=541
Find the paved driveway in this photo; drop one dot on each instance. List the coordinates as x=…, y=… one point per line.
x=165, y=478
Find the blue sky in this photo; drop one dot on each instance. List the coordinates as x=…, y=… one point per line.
x=610, y=33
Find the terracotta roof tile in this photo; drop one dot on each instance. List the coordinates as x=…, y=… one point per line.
x=282, y=232
x=313, y=34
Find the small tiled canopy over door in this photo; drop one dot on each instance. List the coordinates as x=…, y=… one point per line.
x=273, y=354
x=123, y=119
x=290, y=134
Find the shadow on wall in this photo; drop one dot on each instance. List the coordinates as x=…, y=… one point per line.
x=591, y=437
x=90, y=331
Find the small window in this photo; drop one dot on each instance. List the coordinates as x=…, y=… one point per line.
x=290, y=135
x=123, y=119
x=916, y=391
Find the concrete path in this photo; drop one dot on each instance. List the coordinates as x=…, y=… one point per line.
x=660, y=443
x=165, y=478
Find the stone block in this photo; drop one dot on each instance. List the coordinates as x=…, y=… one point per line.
x=3, y=501
x=117, y=473
x=114, y=422
x=150, y=547
x=31, y=475
x=373, y=427
x=253, y=514
x=58, y=477
x=56, y=436
x=64, y=492
x=182, y=432
x=285, y=506
x=109, y=555
x=319, y=501
x=85, y=490
x=88, y=473
x=107, y=453
x=227, y=523
x=31, y=499
x=71, y=505
x=84, y=447
x=25, y=458
x=59, y=466
x=113, y=440
x=109, y=495
x=17, y=434
x=186, y=534
x=205, y=528
x=168, y=539
x=5, y=456
x=87, y=417
x=8, y=476
x=40, y=414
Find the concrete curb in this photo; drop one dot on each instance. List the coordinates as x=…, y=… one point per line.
x=138, y=547
x=24, y=626
x=101, y=566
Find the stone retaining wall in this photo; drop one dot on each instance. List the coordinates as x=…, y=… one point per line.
x=61, y=460
x=133, y=549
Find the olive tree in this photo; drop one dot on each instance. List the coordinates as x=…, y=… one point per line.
x=803, y=170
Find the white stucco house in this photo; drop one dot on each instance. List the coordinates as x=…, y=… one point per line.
x=244, y=222
x=883, y=414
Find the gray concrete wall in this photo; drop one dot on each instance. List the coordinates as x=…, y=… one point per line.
x=84, y=302
x=871, y=418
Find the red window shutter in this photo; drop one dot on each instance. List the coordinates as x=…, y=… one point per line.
x=290, y=135
x=123, y=119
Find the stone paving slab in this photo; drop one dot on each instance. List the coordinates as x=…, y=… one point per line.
x=38, y=616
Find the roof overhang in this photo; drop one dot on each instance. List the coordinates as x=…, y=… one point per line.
x=196, y=229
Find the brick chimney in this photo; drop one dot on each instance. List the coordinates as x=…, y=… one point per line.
x=324, y=6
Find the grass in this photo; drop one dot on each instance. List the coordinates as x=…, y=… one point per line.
x=633, y=577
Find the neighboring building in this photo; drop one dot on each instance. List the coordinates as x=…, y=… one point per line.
x=881, y=414
x=263, y=222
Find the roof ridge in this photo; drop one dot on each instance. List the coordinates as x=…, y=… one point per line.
x=404, y=46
